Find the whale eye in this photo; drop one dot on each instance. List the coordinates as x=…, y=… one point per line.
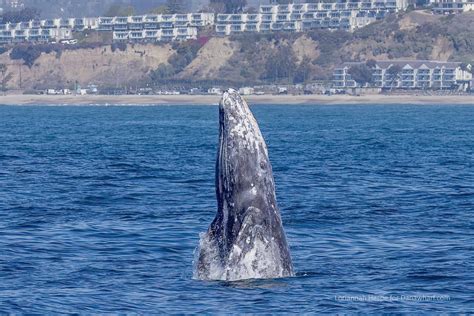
x=263, y=165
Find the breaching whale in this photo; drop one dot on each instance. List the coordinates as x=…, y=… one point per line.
x=246, y=240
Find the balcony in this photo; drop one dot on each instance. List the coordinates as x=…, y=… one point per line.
x=151, y=25
x=137, y=19
x=267, y=18
x=277, y=26
x=167, y=18
x=252, y=18
x=266, y=9
x=50, y=24
x=135, y=27
x=282, y=18
x=65, y=23
x=105, y=21
x=221, y=28
x=166, y=25
x=181, y=17
x=223, y=17
x=284, y=9
x=197, y=17
x=237, y=28
x=181, y=23
x=265, y=27
x=236, y=18
x=136, y=35
x=291, y=26
x=151, y=18
x=251, y=28
x=295, y=17
x=120, y=27
x=121, y=20
x=120, y=35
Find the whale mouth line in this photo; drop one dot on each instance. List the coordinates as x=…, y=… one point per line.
x=246, y=240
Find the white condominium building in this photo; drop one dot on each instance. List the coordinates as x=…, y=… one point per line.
x=155, y=22
x=346, y=15
x=452, y=6
x=165, y=27
x=12, y=33
x=149, y=35
x=419, y=74
x=161, y=27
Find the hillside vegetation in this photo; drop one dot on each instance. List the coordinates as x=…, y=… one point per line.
x=247, y=58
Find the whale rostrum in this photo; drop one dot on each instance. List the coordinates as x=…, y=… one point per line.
x=246, y=240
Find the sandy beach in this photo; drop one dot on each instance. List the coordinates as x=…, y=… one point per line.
x=214, y=99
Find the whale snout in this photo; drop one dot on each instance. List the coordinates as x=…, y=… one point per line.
x=231, y=100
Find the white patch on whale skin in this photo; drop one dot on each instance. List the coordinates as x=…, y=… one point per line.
x=254, y=191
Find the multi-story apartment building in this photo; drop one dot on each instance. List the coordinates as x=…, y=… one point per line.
x=346, y=15
x=166, y=27
x=421, y=74
x=154, y=22
x=153, y=35
x=332, y=14
x=452, y=6
x=33, y=31
x=161, y=27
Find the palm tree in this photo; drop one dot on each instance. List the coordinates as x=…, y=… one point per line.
x=3, y=70
x=394, y=72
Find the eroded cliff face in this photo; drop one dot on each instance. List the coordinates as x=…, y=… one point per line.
x=87, y=66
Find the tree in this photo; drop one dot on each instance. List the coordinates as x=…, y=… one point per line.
x=280, y=64
x=162, y=9
x=24, y=15
x=371, y=63
x=5, y=77
x=163, y=71
x=466, y=67
x=120, y=10
x=394, y=72
x=176, y=6
x=303, y=71
x=362, y=74
x=230, y=6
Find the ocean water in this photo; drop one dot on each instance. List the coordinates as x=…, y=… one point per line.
x=101, y=209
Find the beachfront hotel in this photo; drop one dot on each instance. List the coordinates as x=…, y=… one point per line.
x=422, y=74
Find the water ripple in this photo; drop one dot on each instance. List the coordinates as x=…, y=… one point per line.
x=101, y=209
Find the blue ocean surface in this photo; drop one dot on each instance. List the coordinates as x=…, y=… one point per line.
x=101, y=209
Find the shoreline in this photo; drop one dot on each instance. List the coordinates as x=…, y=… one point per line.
x=153, y=100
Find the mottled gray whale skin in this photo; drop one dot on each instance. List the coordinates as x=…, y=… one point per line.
x=246, y=240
